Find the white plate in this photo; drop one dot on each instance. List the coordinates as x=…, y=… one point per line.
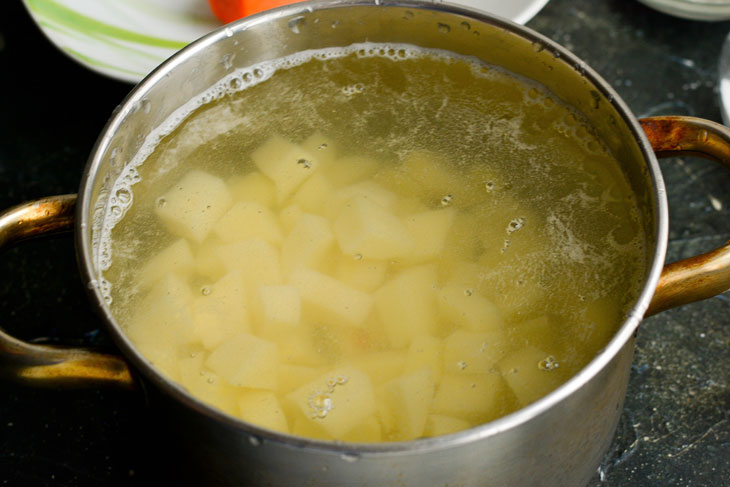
x=126, y=39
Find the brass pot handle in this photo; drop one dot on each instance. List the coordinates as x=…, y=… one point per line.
x=705, y=275
x=42, y=364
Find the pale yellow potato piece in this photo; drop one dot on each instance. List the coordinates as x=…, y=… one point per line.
x=163, y=319
x=468, y=352
x=220, y=310
x=381, y=366
x=429, y=230
x=537, y=332
x=280, y=307
x=430, y=177
x=262, y=408
x=406, y=305
x=408, y=399
x=295, y=345
x=466, y=308
x=364, y=274
x=336, y=401
x=305, y=427
x=253, y=186
x=324, y=148
x=247, y=361
x=207, y=385
x=249, y=219
x=313, y=194
x=368, y=229
x=294, y=376
x=257, y=260
x=437, y=425
x=193, y=205
x=328, y=300
x=351, y=169
x=369, y=431
x=475, y=398
x=177, y=258
x=208, y=264
x=425, y=351
x=289, y=216
x=366, y=189
x=285, y=163
x=308, y=244
x=527, y=375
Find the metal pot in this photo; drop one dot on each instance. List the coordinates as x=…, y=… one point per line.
x=556, y=441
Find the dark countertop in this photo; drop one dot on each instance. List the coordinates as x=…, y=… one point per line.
x=675, y=430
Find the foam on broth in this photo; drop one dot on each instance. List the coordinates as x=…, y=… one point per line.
x=540, y=225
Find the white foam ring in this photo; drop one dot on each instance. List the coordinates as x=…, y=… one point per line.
x=114, y=209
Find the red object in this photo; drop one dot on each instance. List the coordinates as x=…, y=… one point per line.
x=230, y=10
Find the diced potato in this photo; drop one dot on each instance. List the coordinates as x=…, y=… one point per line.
x=516, y=289
x=257, y=260
x=262, y=408
x=337, y=401
x=308, y=244
x=368, y=229
x=305, y=427
x=351, y=169
x=254, y=186
x=437, y=425
x=289, y=216
x=408, y=399
x=364, y=274
x=531, y=374
x=247, y=361
x=248, y=219
x=324, y=147
x=207, y=385
x=406, y=305
x=429, y=230
x=381, y=366
x=468, y=352
x=208, y=264
x=430, y=176
x=293, y=376
x=193, y=205
x=280, y=307
x=536, y=332
x=365, y=189
x=220, y=310
x=475, y=398
x=295, y=345
x=177, y=258
x=163, y=318
x=369, y=431
x=467, y=309
x=313, y=194
x=425, y=351
x=285, y=163
x=328, y=300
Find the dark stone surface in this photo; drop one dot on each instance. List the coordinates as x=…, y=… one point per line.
x=675, y=430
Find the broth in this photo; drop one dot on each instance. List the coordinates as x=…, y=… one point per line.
x=374, y=243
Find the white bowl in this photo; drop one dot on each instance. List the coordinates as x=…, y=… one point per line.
x=692, y=9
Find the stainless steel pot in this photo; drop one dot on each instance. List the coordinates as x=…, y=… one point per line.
x=556, y=441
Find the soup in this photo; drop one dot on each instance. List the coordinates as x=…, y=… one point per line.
x=372, y=243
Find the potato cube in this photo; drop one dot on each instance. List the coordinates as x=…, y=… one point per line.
x=163, y=318
x=437, y=425
x=248, y=219
x=193, y=205
x=365, y=189
x=293, y=376
x=247, y=361
x=304, y=427
x=257, y=260
x=408, y=399
x=364, y=274
x=328, y=300
x=254, y=186
x=351, y=169
x=289, y=216
x=429, y=230
x=285, y=163
x=431, y=176
x=406, y=305
x=295, y=345
x=220, y=310
x=466, y=308
x=425, y=351
x=308, y=243
x=262, y=409
x=280, y=307
x=207, y=262
x=324, y=147
x=474, y=398
x=531, y=374
x=177, y=258
x=468, y=352
x=369, y=431
x=313, y=194
x=537, y=332
x=368, y=229
x=206, y=385
x=337, y=401
x=381, y=366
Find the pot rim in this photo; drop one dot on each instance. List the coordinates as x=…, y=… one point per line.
x=655, y=259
